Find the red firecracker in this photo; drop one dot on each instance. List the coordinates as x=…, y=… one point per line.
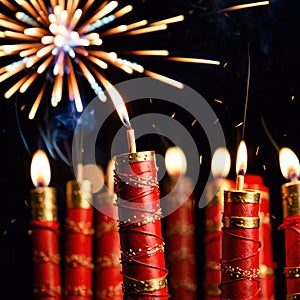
x=46, y=258
x=180, y=241
x=266, y=263
x=108, y=277
x=213, y=236
x=240, y=246
x=142, y=245
x=291, y=226
x=78, y=242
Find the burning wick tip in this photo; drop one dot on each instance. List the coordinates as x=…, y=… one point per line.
x=127, y=124
x=241, y=172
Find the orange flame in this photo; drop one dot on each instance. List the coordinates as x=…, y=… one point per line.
x=241, y=159
x=289, y=163
x=175, y=161
x=40, y=169
x=220, y=163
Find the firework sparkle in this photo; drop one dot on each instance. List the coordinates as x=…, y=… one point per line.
x=58, y=38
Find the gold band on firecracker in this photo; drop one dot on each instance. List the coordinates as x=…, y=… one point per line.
x=105, y=198
x=213, y=290
x=151, y=285
x=241, y=222
x=43, y=204
x=292, y=272
x=79, y=195
x=293, y=296
x=291, y=199
x=244, y=196
x=215, y=192
x=130, y=158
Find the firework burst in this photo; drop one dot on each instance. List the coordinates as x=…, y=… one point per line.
x=64, y=37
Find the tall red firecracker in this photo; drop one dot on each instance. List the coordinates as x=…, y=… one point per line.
x=180, y=228
x=213, y=236
x=142, y=245
x=108, y=276
x=266, y=262
x=240, y=240
x=220, y=167
x=45, y=231
x=290, y=168
x=78, y=242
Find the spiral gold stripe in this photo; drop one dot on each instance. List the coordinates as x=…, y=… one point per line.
x=132, y=286
x=241, y=222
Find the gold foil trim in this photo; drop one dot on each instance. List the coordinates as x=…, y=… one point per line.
x=241, y=222
x=79, y=195
x=114, y=292
x=265, y=271
x=105, y=198
x=186, y=283
x=47, y=291
x=213, y=290
x=106, y=227
x=264, y=195
x=291, y=199
x=213, y=266
x=179, y=228
x=43, y=257
x=43, y=204
x=293, y=296
x=211, y=227
x=182, y=254
x=215, y=192
x=292, y=272
x=80, y=290
x=151, y=285
x=75, y=260
x=108, y=261
x=245, y=196
x=130, y=158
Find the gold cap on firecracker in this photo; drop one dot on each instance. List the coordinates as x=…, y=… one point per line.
x=291, y=198
x=79, y=195
x=215, y=191
x=244, y=196
x=130, y=158
x=43, y=204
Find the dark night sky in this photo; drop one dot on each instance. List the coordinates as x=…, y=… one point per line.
x=270, y=34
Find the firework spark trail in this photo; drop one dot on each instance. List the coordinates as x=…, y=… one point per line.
x=65, y=37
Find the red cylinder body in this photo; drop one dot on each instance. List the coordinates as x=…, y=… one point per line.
x=291, y=226
x=45, y=232
x=46, y=260
x=108, y=277
x=180, y=242
x=79, y=231
x=213, y=236
x=240, y=246
x=266, y=262
x=143, y=262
